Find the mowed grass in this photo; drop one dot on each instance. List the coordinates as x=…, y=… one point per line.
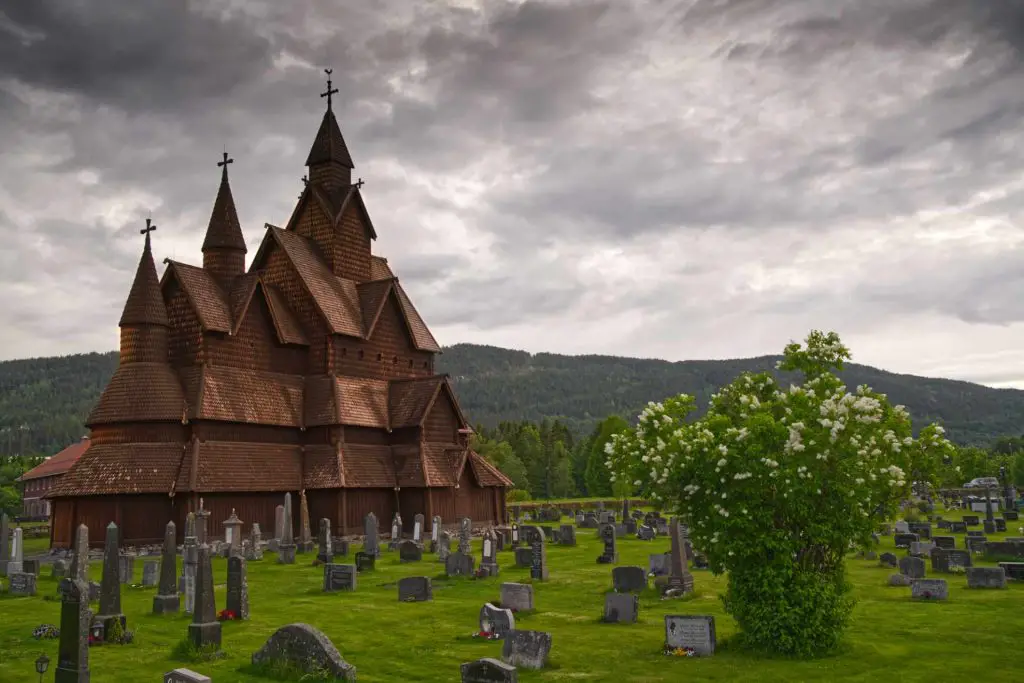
x=975, y=633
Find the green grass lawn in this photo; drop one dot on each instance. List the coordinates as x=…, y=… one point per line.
x=975, y=634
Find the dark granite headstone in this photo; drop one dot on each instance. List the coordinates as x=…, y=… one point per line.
x=340, y=577
x=912, y=566
x=371, y=542
x=904, y=540
x=21, y=583
x=415, y=589
x=459, y=564
x=325, y=542
x=609, y=553
x=517, y=597
x=110, y=584
x=365, y=562
x=166, y=600
x=204, y=631
x=621, y=608
x=957, y=527
x=238, y=587
x=629, y=579
x=888, y=560
x=986, y=577
x=527, y=649
x=488, y=670
x=944, y=542
x=1014, y=570
x=539, y=558
x=524, y=557
x=75, y=620
x=945, y=560
x=971, y=520
x=186, y=676
x=929, y=589
x=567, y=535
x=409, y=551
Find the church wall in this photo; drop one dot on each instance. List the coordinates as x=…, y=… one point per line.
x=360, y=502
x=255, y=345
x=413, y=501
x=351, y=245
x=442, y=423
x=389, y=354
x=407, y=436
x=279, y=272
x=366, y=435
x=185, y=346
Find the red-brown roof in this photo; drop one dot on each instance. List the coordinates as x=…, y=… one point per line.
x=379, y=268
x=58, y=464
x=421, y=335
x=329, y=145
x=409, y=400
x=487, y=474
x=209, y=301
x=322, y=467
x=224, y=230
x=140, y=392
x=250, y=396
x=113, y=468
x=145, y=303
x=240, y=466
x=368, y=466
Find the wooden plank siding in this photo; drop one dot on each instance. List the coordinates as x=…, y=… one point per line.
x=388, y=354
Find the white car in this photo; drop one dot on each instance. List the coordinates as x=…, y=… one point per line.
x=982, y=482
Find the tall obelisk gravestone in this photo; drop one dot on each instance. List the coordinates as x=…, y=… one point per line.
x=166, y=600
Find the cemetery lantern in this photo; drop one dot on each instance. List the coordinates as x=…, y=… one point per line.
x=42, y=664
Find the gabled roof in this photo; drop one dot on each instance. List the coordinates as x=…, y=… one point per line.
x=224, y=230
x=410, y=400
x=145, y=304
x=113, y=468
x=485, y=473
x=208, y=300
x=336, y=298
x=247, y=396
x=333, y=203
x=356, y=401
x=287, y=326
x=421, y=335
x=372, y=297
x=379, y=268
x=329, y=145
x=59, y=463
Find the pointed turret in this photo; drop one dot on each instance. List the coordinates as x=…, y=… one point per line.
x=224, y=246
x=330, y=164
x=144, y=320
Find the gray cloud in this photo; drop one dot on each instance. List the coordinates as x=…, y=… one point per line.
x=679, y=178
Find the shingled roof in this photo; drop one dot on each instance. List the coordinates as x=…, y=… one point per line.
x=113, y=468
x=329, y=145
x=59, y=463
x=224, y=230
x=140, y=392
x=145, y=304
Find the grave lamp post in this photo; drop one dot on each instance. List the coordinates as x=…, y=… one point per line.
x=42, y=664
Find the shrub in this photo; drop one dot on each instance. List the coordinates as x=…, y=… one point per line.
x=776, y=484
x=517, y=495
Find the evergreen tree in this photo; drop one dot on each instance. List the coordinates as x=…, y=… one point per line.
x=597, y=474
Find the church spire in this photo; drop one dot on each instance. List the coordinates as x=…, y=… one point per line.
x=145, y=304
x=224, y=246
x=329, y=161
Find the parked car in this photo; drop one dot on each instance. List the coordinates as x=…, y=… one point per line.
x=982, y=482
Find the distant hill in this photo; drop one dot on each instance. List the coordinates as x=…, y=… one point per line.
x=52, y=396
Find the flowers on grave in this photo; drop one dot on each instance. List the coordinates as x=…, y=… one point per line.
x=486, y=635
x=226, y=615
x=679, y=651
x=45, y=632
x=776, y=483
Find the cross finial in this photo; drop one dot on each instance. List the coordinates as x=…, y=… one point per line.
x=329, y=90
x=359, y=183
x=224, y=165
x=146, y=230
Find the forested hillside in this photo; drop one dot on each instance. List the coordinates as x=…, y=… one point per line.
x=50, y=397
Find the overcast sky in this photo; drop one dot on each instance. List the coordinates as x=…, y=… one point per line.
x=677, y=179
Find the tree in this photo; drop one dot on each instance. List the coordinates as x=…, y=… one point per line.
x=597, y=476
x=776, y=485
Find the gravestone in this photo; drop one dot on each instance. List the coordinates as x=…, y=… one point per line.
x=286, y=548
x=946, y=560
x=922, y=529
x=691, y=632
x=1014, y=570
x=125, y=567
x=204, y=631
x=944, y=542
x=417, y=529
x=409, y=551
x=517, y=597
x=943, y=524
x=59, y=569
x=232, y=533
x=971, y=520
x=957, y=527
x=1000, y=525
x=254, y=550
x=489, y=553
x=680, y=580
x=549, y=532
x=279, y=522
x=435, y=532
x=989, y=525
x=515, y=536
x=186, y=676
x=415, y=589
x=921, y=548
x=5, y=543
x=371, y=542
x=986, y=577
x=912, y=567
x=659, y=564
x=302, y=647
x=645, y=533
x=539, y=558
x=902, y=527
x=888, y=560
x=567, y=535
x=901, y=540
x=488, y=670
x=444, y=546
x=21, y=583
x=325, y=543
x=190, y=568
x=609, y=554
x=339, y=545
x=340, y=577
x=630, y=579
x=527, y=649
x=305, y=544
x=621, y=608
x=497, y=621
x=166, y=599
x=396, y=532
x=75, y=621
x=589, y=521
x=1003, y=549
x=31, y=567
x=16, y=563
x=365, y=562
x=1011, y=515
x=110, y=584
x=929, y=589
x=238, y=587
x=459, y=564
x=465, y=531
x=975, y=544
x=150, y=573
x=524, y=557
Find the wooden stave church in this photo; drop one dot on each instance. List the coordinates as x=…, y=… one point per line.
x=310, y=372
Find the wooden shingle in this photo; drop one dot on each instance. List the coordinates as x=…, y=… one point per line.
x=114, y=468
x=208, y=300
x=140, y=392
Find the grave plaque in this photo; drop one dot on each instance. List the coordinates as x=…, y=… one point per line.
x=339, y=577
x=415, y=589
x=695, y=633
x=986, y=577
x=488, y=670
x=21, y=583
x=929, y=589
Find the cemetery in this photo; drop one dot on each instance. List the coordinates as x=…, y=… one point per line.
x=569, y=612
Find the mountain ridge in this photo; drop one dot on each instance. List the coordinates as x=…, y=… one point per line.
x=51, y=396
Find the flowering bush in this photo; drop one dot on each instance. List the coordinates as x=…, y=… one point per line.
x=776, y=484
x=226, y=615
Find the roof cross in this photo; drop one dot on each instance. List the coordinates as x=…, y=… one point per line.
x=359, y=183
x=329, y=90
x=148, y=229
x=224, y=164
